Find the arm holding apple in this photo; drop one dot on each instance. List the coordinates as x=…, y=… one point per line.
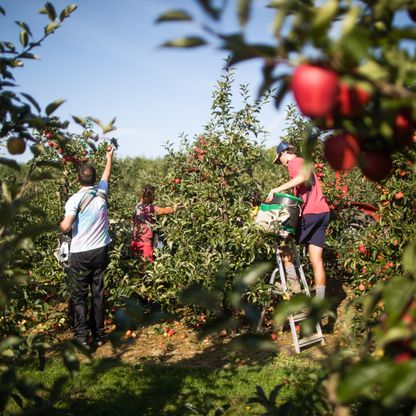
x=107, y=170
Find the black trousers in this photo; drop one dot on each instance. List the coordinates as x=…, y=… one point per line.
x=85, y=273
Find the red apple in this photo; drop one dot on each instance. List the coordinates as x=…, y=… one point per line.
x=404, y=127
x=351, y=99
x=315, y=89
x=48, y=135
x=402, y=357
x=178, y=180
x=341, y=151
x=375, y=165
x=362, y=249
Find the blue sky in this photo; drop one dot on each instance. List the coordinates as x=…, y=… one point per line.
x=106, y=62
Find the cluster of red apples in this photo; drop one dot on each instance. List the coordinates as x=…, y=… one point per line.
x=322, y=95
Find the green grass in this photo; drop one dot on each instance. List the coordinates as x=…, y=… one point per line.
x=101, y=388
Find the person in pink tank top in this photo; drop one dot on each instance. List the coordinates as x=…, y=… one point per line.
x=314, y=215
x=144, y=218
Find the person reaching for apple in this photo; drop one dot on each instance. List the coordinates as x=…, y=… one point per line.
x=86, y=218
x=144, y=218
x=314, y=219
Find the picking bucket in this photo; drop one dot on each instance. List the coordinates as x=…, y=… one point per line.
x=281, y=215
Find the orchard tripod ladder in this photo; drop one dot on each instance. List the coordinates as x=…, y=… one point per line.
x=298, y=317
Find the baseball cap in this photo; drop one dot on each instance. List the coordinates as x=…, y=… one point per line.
x=281, y=147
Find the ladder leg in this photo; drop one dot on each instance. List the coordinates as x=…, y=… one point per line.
x=293, y=318
x=294, y=334
x=300, y=268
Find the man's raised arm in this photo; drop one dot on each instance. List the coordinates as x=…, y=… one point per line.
x=109, y=164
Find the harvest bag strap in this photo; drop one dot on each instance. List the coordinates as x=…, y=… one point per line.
x=88, y=197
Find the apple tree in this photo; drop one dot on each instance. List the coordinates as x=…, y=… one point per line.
x=212, y=180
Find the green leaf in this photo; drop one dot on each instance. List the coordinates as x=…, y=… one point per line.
x=395, y=334
x=27, y=387
x=24, y=26
x=53, y=106
x=278, y=21
x=37, y=149
x=188, y=42
x=49, y=9
x=24, y=38
x=196, y=295
x=210, y=9
x=325, y=14
x=50, y=163
x=278, y=4
x=40, y=176
x=281, y=92
x=7, y=84
x=350, y=20
x=32, y=101
x=409, y=258
x=359, y=381
x=109, y=127
x=36, y=229
x=71, y=361
x=51, y=27
x=400, y=383
x=80, y=120
x=28, y=55
x=67, y=11
x=222, y=322
x=374, y=71
x=10, y=342
x=174, y=15
x=250, y=342
x=294, y=305
x=243, y=11
x=6, y=192
x=17, y=399
x=10, y=163
x=58, y=386
x=397, y=294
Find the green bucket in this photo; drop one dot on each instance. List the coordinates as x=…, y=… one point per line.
x=289, y=202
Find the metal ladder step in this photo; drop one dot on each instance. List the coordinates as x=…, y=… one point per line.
x=311, y=339
x=297, y=317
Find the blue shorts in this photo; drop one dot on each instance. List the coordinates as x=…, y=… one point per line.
x=312, y=228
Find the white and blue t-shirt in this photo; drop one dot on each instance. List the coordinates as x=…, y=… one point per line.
x=90, y=227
